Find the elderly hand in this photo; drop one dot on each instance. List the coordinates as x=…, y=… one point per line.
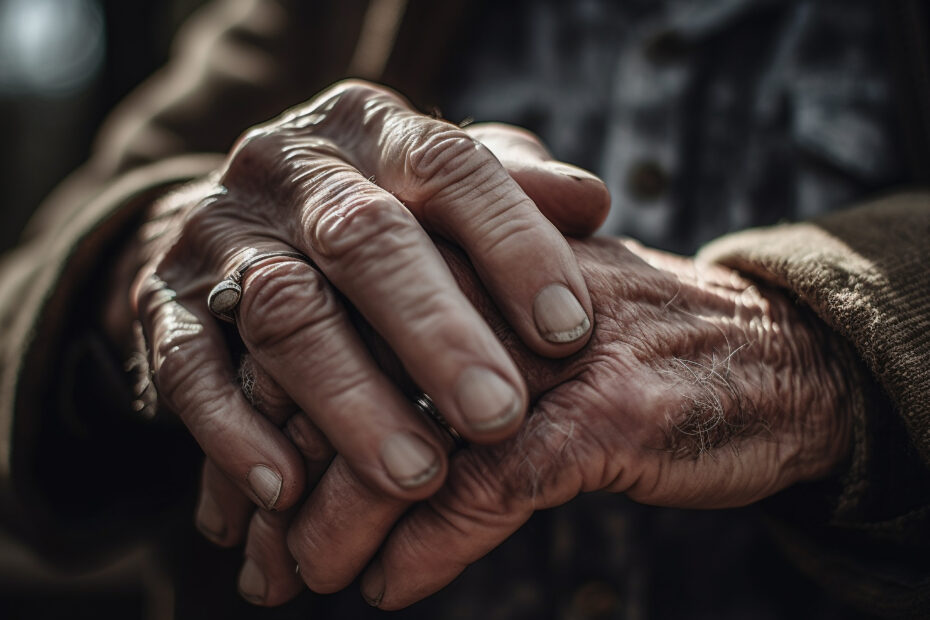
x=697, y=389
x=354, y=180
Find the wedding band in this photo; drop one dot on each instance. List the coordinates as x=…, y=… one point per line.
x=424, y=405
x=224, y=297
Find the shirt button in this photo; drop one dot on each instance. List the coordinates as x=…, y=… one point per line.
x=666, y=46
x=646, y=180
x=595, y=601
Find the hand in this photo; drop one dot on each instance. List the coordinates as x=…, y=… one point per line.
x=697, y=389
x=353, y=180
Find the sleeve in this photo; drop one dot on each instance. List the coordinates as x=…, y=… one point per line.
x=866, y=273
x=63, y=469
x=79, y=475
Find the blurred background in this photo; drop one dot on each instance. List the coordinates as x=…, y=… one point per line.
x=63, y=65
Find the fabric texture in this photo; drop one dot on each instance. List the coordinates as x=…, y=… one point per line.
x=49, y=288
x=864, y=273
x=702, y=118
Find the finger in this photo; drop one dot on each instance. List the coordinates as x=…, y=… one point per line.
x=194, y=377
x=263, y=392
x=342, y=523
x=268, y=576
x=490, y=493
x=572, y=198
x=313, y=445
x=223, y=511
x=270, y=399
x=339, y=528
x=456, y=187
x=298, y=331
x=375, y=253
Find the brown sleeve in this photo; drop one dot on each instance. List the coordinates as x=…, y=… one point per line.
x=49, y=301
x=74, y=468
x=866, y=273
x=234, y=63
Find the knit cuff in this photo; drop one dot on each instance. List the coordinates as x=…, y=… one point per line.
x=864, y=272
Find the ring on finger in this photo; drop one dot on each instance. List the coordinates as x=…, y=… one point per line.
x=224, y=297
x=425, y=405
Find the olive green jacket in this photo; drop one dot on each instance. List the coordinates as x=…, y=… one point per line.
x=64, y=419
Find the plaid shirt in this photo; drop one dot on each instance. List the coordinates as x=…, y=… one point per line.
x=702, y=117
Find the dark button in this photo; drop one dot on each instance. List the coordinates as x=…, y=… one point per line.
x=595, y=601
x=646, y=181
x=666, y=46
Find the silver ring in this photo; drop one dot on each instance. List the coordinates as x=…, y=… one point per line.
x=424, y=405
x=224, y=297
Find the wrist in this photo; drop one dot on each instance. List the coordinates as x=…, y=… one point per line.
x=823, y=388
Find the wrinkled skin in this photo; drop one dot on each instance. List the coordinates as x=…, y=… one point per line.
x=356, y=180
x=697, y=389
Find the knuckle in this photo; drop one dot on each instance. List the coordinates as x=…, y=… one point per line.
x=205, y=220
x=182, y=374
x=476, y=489
x=199, y=219
x=204, y=237
x=177, y=333
x=252, y=157
x=349, y=107
x=284, y=303
x=150, y=292
x=359, y=97
x=362, y=228
x=273, y=158
x=445, y=157
x=355, y=91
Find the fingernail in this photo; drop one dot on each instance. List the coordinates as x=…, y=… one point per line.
x=373, y=584
x=409, y=460
x=579, y=174
x=559, y=316
x=486, y=401
x=252, y=584
x=266, y=485
x=210, y=520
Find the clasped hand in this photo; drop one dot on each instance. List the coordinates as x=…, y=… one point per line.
x=695, y=388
